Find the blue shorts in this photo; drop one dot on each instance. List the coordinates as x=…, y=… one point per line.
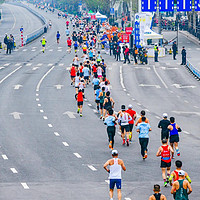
x=115, y=181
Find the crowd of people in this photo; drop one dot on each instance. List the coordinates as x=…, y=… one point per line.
x=9, y=43
x=91, y=69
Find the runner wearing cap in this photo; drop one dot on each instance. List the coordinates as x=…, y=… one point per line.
x=110, y=121
x=123, y=121
x=181, y=188
x=116, y=165
x=174, y=175
x=157, y=195
x=143, y=129
x=163, y=124
x=174, y=136
x=165, y=152
x=133, y=114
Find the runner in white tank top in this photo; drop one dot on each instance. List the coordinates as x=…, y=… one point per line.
x=115, y=170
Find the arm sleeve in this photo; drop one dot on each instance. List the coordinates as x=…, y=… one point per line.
x=188, y=178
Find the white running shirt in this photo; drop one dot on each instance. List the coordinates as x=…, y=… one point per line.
x=115, y=170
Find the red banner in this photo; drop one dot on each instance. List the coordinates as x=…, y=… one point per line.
x=129, y=30
x=93, y=17
x=125, y=38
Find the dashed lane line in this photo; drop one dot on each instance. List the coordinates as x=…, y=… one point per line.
x=4, y=157
x=56, y=134
x=2, y=80
x=77, y=155
x=92, y=168
x=50, y=125
x=28, y=64
x=41, y=111
x=7, y=64
x=195, y=106
x=65, y=144
x=121, y=77
x=37, y=99
x=37, y=95
x=41, y=80
x=39, y=105
x=14, y=171
x=186, y=132
x=45, y=117
x=25, y=186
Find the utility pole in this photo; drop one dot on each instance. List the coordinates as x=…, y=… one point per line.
x=139, y=6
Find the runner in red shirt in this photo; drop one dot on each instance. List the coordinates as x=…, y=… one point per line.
x=72, y=73
x=81, y=70
x=94, y=69
x=69, y=44
x=67, y=24
x=79, y=98
x=133, y=114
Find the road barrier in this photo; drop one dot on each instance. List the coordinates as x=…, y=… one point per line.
x=193, y=70
x=37, y=33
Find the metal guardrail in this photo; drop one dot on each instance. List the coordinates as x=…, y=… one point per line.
x=194, y=71
x=37, y=33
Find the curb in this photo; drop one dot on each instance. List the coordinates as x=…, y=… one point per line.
x=190, y=37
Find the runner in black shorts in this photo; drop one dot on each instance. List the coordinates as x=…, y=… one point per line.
x=163, y=124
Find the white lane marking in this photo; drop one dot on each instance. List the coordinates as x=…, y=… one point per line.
x=50, y=64
x=61, y=64
x=24, y=49
x=128, y=94
x=154, y=68
x=59, y=50
x=124, y=89
x=92, y=168
x=28, y=64
x=133, y=99
x=147, y=68
x=25, y=186
x=89, y=104
x=41, y=111
x=37, y=99
x=77, y=155
x=127, y=198
x=70, y=114
x=50, y=125
x=121, y=77
x=146, y=110
x=171, y=91
x=39, y=64
x=39, y=105
x=40, y=82
x=2, y=80
x=178, y=96
x=4, y=157
x=198, y=49
x=14, y=171
x=16, y=87
x=139, y=104
x=56, y=134
x=157, y=117
x=33, y=50
x=186, y=132
x=107, y=181
x=186, y=86
x=186, y=113
x=2, y=67
x=50, y=49
x=36, y=94
x=195, y=106
x=14, y=19
x=95, y=111
x=35, y=68
x=189, y=49
x=16, y=115
x=65, y=144
x=145, y=85
x=45, y=117
x=58, y=87
x=60, y=47
x=186, y=101
x=5, y=65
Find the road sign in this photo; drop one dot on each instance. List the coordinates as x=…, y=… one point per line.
x=149, y=5
x=166, y=5
x=125, y=38
x=137, y=30
x=129, y=30
x=197, y=5
x=184, y=5
x=112, y=11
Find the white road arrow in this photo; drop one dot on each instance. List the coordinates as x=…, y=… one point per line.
x=70, y=114
x=58, y=87
x=143, y=85
x=16, y=87
x=138, y=67
x=182, y=87
x=168, y=68
x=16, y=115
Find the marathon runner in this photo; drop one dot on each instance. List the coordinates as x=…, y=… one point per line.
x=86, y=74
x=69, y=44
x=163, y=124
x=143, y=128
x=102, y=97
x=58, y=37
x=72, y=73
x=157, y=195
x=97, y=93
x=108, y=104
x=79, y=98
x=165, y=152
x=77, y=81
x=133, y=114
x=43, y=41
x=181, y=188
x=142, y=113
x=174, y=136
x=115, y=177
x=110, y=121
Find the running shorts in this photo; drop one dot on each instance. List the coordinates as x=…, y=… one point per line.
x=81, y=74
x=164, y=164
x=115, y=181
x=86, y=77
x=130, y=127
x=72, y=77
x=126, y=127
x=164, y=136
x=80, y=103
x=174, y=138
x=97, y=101
x=95, y=87
x=101, y=105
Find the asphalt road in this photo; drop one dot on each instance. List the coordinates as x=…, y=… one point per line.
x=45, y=154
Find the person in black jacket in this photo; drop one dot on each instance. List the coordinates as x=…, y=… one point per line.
x=174, y=48
x=183, y=52
x=118, y=52
x=9, y=46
